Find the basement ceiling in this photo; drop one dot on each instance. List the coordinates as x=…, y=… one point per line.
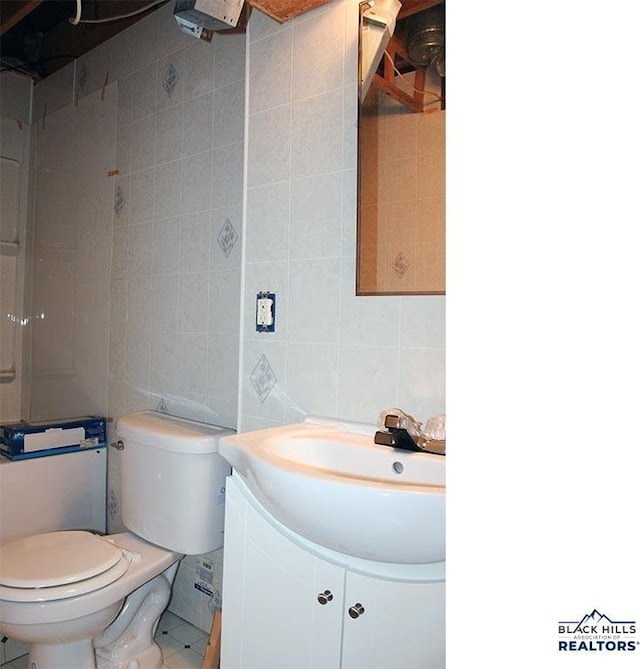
x=37, y=38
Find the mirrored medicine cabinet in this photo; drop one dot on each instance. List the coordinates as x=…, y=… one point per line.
x=401, y=148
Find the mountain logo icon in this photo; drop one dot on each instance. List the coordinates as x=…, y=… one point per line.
x=596, y=623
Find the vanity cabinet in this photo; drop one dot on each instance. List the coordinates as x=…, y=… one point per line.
x=290, y=604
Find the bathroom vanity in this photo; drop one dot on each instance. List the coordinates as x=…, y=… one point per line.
x=289, y=602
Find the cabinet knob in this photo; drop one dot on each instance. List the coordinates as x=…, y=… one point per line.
x=356, y=610
x=325, y=597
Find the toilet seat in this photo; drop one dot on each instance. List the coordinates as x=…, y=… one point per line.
x=58, y=565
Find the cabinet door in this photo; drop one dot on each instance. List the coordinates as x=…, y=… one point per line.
x=393, y=624
x=272, y=592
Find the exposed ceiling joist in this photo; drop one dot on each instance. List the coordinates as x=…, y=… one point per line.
x=13, y=11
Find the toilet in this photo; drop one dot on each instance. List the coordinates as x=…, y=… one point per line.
x=86, y=601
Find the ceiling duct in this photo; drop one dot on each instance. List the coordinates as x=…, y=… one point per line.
x=425, y=39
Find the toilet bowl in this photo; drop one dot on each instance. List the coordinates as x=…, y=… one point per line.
x=83, y=600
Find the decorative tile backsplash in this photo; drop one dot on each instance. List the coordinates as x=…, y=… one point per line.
x=263, y=378
x=227, y=237
x=170, y=79
x=118, y=201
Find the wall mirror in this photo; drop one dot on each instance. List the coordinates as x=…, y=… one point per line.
x=401, y=148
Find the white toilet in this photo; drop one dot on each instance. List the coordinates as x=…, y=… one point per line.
x=83, y=600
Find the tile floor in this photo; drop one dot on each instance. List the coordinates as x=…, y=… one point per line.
x=182, y=645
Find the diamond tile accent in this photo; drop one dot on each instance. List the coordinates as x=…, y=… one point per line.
x=227, y=237
x=263, y=379
x=118, y=202
x=400, y=264
x=83, y=77
x=170, y=79
x=112, y=504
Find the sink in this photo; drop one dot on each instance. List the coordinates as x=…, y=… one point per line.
x=330, y=483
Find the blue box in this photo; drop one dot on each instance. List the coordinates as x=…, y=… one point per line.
x=39, y=438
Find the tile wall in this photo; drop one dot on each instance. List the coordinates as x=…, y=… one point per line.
x=177, y=184
x=332, y=353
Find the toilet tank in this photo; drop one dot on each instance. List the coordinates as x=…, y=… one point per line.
x=172, y=481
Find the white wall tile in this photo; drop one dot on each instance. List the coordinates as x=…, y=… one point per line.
x=312, y=379
x=421, y=382
x=269, y=149
x=123, y=149
x=168, y=190
x=125, y=100
x=271, y=54
x=198, y=124
x=367, y=381
x=199, y=68
x=145, y=41
x=268, y=221
x=228, y=167
x=422, y=322
x=229, y=55
x=316, y=134
x=165, y=248
x=222, y=376
x=122, y=54
x=316, y=216
x=318, y=52
x=139, y=243
x=169, y=134
x=142, y=195
x=314, y=300
x=163, y=365
x=164, y=303
x=192, y=363
x=228, y=124
x=143, y=143
x=144, y=94
x=170, y=37
x=193, y=298
x=195, y=243
x=224, y=308
x=197, y=186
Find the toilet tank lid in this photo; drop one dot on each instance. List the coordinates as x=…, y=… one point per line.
x=170, y=433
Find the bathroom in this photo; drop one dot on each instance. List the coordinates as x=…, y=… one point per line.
x=202, y=212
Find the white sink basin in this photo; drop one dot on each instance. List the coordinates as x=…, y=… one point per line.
x=329, y=482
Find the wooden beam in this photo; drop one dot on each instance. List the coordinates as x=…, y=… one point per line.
x=410, y=7
x=284, y=10
x=13, y=11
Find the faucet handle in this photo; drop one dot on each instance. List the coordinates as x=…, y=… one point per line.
x=392, y=421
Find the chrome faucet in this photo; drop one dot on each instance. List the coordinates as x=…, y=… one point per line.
x=405, y=432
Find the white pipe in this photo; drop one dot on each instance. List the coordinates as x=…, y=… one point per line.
x=76, y=20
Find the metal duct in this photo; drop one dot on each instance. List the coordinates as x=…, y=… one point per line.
x=425, y=42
